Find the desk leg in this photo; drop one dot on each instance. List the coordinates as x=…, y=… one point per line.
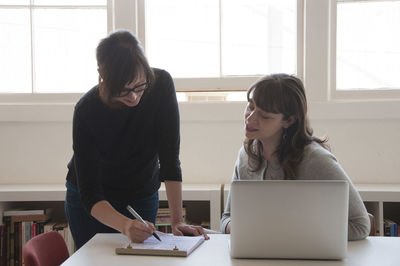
x=215, y=210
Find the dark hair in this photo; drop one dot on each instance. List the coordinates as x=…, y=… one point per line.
x=121, y=60
x=284, y=94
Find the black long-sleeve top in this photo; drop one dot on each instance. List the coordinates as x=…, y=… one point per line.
x=122, y=154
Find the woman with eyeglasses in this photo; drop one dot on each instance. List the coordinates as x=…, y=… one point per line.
x=125, y=142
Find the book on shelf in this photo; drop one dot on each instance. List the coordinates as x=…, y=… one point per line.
x=14, y=236
x=27, y=218
x=163, y=219
x=390, y=228
x=164, y=215
x=3, y=244
x=165, y=228
x=21, y=226
x=19, y=212
x=205, y=224
x=28, y=215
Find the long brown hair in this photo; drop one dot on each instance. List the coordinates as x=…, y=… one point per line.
x=282, y=94
x=121, y=60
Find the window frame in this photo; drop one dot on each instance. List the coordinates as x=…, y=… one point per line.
x=131, y=15
x=226, y=83
x=34, y=96
x=320, y=58
x=373, y=94
x=315, y=62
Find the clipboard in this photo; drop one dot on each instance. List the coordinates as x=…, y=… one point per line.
x=151, y=252
x=170, y=245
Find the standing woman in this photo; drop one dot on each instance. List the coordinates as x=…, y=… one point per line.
x=126, y=142
x=280, y=145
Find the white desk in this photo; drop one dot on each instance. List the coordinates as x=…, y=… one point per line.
x=100, y=250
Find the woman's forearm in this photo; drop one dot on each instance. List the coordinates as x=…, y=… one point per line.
x=106, y=214
x=174, y=195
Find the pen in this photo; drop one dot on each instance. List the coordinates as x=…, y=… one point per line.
x=137, y=216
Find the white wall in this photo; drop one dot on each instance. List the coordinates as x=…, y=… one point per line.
x=211, y=134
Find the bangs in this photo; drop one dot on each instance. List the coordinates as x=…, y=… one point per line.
x=131, y=68
x=125, y=70
x=267, y=95
x=132, y=73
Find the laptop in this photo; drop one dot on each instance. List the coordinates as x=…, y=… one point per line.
x=289, y=219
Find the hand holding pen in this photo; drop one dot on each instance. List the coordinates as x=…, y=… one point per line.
x=137, y=216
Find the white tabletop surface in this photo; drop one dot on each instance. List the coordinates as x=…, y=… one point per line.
x=100, y=250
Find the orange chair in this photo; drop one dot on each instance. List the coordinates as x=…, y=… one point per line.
x=48, y=249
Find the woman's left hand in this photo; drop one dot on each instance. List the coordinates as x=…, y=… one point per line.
x=180, y=229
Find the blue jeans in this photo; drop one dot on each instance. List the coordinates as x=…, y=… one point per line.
x=83, y=226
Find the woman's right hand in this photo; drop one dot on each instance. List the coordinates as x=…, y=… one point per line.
x=138, y=231
x=134, y=229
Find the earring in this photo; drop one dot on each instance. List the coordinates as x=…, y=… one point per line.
x=284, y=133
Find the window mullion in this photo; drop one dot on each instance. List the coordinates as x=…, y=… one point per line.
x=316, y=52
x=33, y=79
x=140, y=17
x=220, y=37
x=300, y=39
x=110, y=15
x=125, y=17
x=332, y=50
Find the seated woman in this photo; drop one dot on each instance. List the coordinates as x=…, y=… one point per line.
x=280, y=145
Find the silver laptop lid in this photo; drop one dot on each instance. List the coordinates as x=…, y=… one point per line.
x=296, y=219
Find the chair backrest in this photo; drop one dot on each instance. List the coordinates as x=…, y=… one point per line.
x=47, y=249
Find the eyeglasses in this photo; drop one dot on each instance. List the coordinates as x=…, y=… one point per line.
x=137, y=89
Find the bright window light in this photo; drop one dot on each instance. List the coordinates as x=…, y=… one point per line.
x=368, y=45
x=48, y=46
x=15, y=51
x=65, y=41
x=182, y=36
x=192, y=38
x=258, y=37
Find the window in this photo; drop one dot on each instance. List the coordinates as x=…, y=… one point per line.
x=205, y=45
x=228, y=40
x=336, y=77
x=212, y=38
x=344, y=49
x=368, y=45
x=48, y=45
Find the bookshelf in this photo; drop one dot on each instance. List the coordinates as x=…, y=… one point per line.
x=53, y=195
x=12, y=196
x=198, y=195
x=381, y=200
x=42, y=196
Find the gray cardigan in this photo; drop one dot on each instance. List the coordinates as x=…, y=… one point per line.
x=317, y=164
